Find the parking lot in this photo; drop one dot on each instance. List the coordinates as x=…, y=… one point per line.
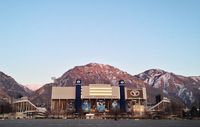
x=98, y=123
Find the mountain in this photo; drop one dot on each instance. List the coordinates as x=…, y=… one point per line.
x=90, y=74
x=9, y=88
x=98, y=73
x=33, y=87
x=186, y=89
x=176, y=87
x=42, y=96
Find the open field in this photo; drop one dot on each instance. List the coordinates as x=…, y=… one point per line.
x=99, y=123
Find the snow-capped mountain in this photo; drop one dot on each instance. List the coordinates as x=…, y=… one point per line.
x=185, y=88
x=176, y=87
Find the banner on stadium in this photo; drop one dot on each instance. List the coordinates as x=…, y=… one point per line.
x=86, y=106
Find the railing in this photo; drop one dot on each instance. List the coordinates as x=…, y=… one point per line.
x=165, y=100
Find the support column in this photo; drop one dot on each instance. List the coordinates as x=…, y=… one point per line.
x=122, y=95
x=78, y=96
x=26, y=106
x=20, y=106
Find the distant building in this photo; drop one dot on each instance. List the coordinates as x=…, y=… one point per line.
x=98, y=99
x=23, y=108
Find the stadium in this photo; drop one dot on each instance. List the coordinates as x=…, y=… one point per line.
x=98, y=101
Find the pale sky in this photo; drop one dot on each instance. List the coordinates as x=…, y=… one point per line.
x=40, y=39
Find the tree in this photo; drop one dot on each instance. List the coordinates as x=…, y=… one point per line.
x=199, y=109
x=194, y=111
x=19, y=96
x=5, y=108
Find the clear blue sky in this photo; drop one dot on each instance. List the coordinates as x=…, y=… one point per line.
x=43, y=38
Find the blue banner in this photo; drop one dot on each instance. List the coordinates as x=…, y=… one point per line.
x=86, y=106
x=100, y=106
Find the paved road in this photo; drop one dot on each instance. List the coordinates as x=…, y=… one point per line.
x=99, y=123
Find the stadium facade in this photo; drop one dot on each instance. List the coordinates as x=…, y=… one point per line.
x=98, y=100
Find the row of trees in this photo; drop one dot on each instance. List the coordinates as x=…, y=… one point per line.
x=5, y=104
x=5, y=107
x=193, y=112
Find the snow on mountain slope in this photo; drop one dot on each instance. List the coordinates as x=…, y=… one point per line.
x=186, y=88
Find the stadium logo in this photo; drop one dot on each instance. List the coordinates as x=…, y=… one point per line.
x=78, y=81
x=134, y=93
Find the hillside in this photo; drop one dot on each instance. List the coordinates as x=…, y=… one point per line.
x=9, y=88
